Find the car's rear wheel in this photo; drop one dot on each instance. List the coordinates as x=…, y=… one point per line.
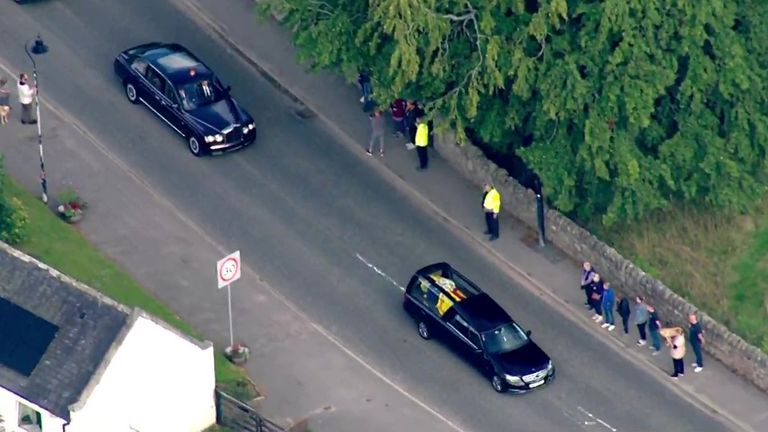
x=498, y=384
x=424, y=330
x=194, y=146
x=130, y=93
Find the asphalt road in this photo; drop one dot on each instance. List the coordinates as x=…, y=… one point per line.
x=302, y=208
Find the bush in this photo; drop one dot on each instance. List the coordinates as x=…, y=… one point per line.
x=13, y=216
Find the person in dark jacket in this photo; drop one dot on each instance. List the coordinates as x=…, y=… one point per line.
x=622, y=307
x=587, y=271
x=597, y=297
x=609, y=299
x=364, y=80
x=654, y=325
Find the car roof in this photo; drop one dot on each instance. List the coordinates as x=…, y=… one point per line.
x=482, y=313
x=175, y=63
x=479, y=309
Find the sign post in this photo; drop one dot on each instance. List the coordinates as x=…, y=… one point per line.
x=227, y=272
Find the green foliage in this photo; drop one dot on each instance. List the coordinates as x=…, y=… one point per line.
x=13, y=215
x=629, y=105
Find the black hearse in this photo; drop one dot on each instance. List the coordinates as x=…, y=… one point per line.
x=447, y=305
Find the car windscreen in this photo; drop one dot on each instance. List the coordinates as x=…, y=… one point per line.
x=505, y=338
x=199, y=93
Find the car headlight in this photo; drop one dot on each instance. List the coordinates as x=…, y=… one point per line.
x=251, y=126
x=514, y=380
x=218, y=137
x=209, y=138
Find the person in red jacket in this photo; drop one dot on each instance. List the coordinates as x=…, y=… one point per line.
x=398, y=116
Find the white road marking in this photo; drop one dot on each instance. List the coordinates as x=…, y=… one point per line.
x=592, y=416
x=381, y=273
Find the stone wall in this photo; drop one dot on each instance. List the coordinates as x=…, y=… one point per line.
x=736, y=354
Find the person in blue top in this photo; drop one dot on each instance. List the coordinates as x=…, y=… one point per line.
x=609, y=298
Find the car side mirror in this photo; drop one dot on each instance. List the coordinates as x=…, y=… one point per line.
x=528, y=333
x=228, y=89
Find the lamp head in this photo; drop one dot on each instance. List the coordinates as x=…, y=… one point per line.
x=39, y=47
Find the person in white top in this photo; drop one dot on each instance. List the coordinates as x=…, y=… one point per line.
x=26, y=97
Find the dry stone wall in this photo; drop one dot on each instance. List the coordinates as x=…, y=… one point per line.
x=741, y=357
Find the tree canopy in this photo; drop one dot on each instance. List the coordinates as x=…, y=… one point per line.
x=620, y=106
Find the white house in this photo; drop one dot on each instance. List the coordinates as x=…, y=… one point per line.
x=73, y=360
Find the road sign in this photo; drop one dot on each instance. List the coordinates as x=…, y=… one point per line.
x=228, y=269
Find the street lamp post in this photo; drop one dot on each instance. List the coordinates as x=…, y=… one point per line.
x=38, y=48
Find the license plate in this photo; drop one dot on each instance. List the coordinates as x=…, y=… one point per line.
x=536, y=384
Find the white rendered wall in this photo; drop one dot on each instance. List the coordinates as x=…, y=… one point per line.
x=157, y=381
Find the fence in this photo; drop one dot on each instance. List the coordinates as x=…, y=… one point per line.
x=240, y=416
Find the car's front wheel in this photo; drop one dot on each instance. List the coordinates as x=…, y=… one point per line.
x=424, y=330
x=131, y=93
x=194, y=146
x=498, y=384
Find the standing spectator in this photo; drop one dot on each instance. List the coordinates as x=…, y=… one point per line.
x=377, y=131
x=641, y=319
x=412, y=113
x=5, y=102
x=623, y=309
x=586, y=279
x=609, y=298
x=654, y=326
x=676, y=342
x=597, y=297
x=364, y=80
x=398, y=108
x=422, y=140
x=696, y=336
x=491, y=208
x=26, y=97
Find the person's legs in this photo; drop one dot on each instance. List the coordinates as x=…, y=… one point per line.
x=494, y=226
x=399, y=126
x=641, y=331
x=698, y=354
x=488, y=217
x=677, y=364
x=423, y=157
x=26, y=113
x=598, y=310
x=656, y=339
x=366, y=92
x=587, y=293
x=608, y=315
x=625, y=323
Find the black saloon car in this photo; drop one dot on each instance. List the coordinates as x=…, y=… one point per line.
x=187, y=95
x=445, y=304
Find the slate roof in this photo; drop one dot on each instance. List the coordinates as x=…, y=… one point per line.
x=88, y=326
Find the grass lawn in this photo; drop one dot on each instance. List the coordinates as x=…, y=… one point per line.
x=717, y=261
x=61, y=246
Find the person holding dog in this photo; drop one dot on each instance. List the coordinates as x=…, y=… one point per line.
x=5, y=102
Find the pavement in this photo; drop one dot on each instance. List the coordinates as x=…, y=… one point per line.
x=306, y=206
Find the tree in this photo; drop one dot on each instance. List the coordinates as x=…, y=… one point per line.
x=620, y=106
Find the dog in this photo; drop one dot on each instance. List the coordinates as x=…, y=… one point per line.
x=5, y=112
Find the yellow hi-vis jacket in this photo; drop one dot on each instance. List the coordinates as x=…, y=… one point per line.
x=492, y=201
x=422, y=135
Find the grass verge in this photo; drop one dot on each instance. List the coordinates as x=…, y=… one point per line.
x=61, y=246
x=715, y=260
